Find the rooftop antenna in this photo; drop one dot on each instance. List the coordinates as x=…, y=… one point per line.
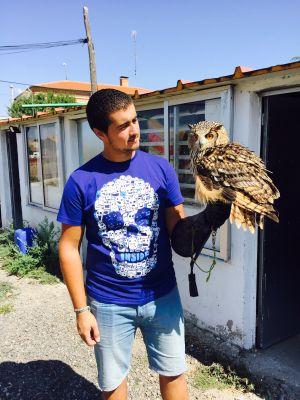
x=133, y=37
x=12, y=95
x=64, y=64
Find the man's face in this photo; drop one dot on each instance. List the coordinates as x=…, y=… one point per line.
x=123, y=132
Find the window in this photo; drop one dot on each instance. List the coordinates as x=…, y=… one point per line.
x=88, y=142
x=152, y=131
x=34, y=166
x=45, y=180
x=179, y=118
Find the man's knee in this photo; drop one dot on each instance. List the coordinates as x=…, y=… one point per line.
x=119, y=393
x=165, y=378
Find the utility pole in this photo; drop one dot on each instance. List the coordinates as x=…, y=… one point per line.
x=93, y=73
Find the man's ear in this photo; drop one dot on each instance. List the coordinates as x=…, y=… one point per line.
x=101, y=135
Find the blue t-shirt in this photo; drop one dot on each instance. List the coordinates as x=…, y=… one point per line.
x=122, y=205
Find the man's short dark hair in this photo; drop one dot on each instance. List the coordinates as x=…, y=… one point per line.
x=104, y=102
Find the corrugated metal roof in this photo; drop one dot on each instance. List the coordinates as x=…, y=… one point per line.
x=239, y=73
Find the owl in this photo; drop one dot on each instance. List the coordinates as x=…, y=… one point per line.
x=229, y=172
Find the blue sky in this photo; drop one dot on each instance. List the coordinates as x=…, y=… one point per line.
x=179, y=39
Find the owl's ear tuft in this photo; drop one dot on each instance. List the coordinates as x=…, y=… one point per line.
x=218, y=127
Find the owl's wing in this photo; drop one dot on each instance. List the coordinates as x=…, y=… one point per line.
x=242, y=176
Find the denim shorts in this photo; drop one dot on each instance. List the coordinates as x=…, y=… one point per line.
x=162, y=327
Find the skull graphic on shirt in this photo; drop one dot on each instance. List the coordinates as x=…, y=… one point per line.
x=126, y=211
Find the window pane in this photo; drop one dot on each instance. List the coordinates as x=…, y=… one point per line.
x=152, y=131
x=35, y=173
x=179, y=118
x=49, y=142
x=89, y=144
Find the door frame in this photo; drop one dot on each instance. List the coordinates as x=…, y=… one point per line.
x=14, y=179
x=261, y=276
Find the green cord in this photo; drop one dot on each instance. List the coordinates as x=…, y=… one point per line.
x=214, y=261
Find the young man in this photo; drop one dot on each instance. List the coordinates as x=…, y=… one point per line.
x=129, y=202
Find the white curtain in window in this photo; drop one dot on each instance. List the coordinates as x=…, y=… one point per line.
x=89, y=143
x=49, y=145
x=34, y=166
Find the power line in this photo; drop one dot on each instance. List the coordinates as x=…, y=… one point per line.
x=21, y=48
x=17, y=83
x=42, y=44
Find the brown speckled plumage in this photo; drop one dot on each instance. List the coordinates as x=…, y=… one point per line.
x=230, y=172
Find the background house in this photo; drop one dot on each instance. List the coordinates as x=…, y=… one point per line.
x=252, y=297
x=81, y=90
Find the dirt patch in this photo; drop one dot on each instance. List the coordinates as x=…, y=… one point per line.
x=43, y=357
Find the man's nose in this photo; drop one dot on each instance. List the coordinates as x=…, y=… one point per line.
x=134, y=130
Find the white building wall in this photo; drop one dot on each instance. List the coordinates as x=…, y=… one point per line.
x=227, y=302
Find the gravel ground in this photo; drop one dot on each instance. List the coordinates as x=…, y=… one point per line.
x=42, y=356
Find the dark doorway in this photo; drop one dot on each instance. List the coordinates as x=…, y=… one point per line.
x=279, y=265
x=14, y=180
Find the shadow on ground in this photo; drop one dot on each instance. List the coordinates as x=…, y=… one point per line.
x=39, y=380
x=272, y=376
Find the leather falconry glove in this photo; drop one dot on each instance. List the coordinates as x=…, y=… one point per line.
x=191, y=233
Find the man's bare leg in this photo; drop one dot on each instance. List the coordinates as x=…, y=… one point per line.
x=120, y=393
x=173, y=387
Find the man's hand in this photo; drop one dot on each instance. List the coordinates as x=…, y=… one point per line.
x=191, y=233
x=88, y=328
x=217, y=213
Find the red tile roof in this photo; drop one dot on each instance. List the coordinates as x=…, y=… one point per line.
x=86, y=87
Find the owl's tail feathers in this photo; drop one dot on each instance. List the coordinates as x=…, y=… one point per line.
x=273, y=215
x=266, y=209
x=260, y=220
x=242, y=218
x=248, y=219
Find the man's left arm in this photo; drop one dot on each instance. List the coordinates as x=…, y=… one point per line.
x=189, y=234
x=173, y=215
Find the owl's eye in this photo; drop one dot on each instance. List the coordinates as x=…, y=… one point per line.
x=209, y=136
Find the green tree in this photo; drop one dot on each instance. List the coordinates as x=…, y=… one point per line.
x=16, y=110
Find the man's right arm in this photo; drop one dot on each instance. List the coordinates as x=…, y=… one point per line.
x=71, y=267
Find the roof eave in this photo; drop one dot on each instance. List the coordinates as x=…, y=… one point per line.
x=239, y=74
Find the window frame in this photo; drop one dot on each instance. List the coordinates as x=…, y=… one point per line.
x=155, y=106
x=59, y=154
